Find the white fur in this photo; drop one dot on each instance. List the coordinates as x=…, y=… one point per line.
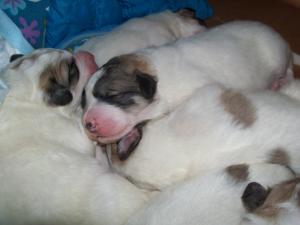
x=200, y=135
x=152, y=30
x=47, y=169
x=212, y=199
x=240, y=54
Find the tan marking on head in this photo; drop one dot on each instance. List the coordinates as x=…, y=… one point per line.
x=239, y=106
x=280, y=156
x=131, y=63
x=238, y=172
x=279, y=194
x=54, y=72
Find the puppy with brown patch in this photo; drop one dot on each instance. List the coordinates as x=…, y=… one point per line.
x=48, y=171
x=214, y=128
x=237, y=195
x=134, y=88
x=137, y=33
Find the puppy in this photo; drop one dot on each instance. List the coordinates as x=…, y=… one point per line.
x=47, y=168
x=134, y=88
x=152, y=30
x=227, y=196
x=215, y=128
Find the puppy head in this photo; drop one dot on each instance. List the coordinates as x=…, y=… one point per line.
x=119, y=97
x=53, y=77
x=272, y=204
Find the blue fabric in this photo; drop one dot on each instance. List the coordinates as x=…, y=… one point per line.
x=136, y=8
x=29, y=17
x=69, y=18
x=13, y=35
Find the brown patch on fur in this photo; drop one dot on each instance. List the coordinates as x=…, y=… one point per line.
x=280, y=156
x=111, y=150
x=130, y=63
x=57, y=80
x=238, y=172
x=54, y=72
x=279, y=193
x=239, y=106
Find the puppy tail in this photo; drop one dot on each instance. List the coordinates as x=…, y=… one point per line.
x=296, y=58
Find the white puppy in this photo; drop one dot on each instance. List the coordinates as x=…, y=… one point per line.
x=215, y=128
x=131, y=89
x=241, y=194
x=137, y=33
x=47, y=169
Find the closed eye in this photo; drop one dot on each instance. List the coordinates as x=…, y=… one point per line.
x=124, y=99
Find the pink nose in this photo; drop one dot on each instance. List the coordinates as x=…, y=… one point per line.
x=88, y=60
x=91, y=126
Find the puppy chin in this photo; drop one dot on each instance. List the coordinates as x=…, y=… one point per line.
x=111, y=139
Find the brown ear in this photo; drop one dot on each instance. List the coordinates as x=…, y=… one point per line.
x=147, y=85
x=187, y=13
x=190, y=14
x=278, y=194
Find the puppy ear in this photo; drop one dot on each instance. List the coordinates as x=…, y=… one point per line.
x=147, y=85
x=187, y=13
x=254, y=196
x=59, y=95
x=190, y=14
x=15, y=56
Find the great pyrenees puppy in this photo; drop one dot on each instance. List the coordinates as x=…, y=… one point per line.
x=215, y=128
x=131, y=89
x=256, y=194
x=47, y=167
x=137, y=33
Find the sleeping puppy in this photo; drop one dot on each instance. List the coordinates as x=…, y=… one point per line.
x=48, y=171
x=214, y=128
x=237, y=195
x=134, y=88
x=152, y=30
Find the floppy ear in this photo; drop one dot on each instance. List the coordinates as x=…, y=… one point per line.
x=15, y=56
x=254, y=196
x=59, y=95
x=147, y=85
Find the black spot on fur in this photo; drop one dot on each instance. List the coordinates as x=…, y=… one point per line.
x=73, y=73
x=15, y=56
x=254, y=196
x=147, y=85
x=83, y=100
x=59, y=95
